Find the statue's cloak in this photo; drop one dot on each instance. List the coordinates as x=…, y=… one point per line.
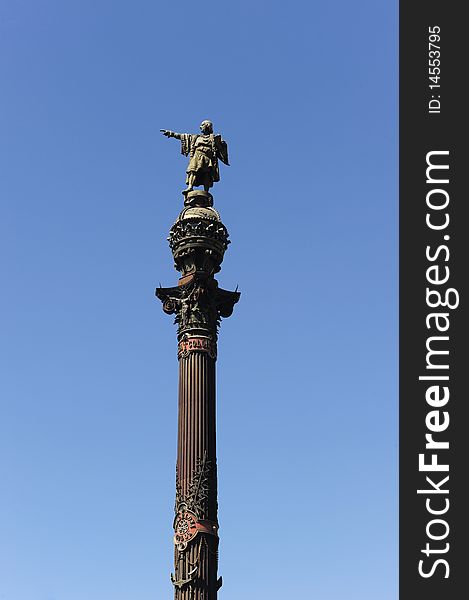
x=204, y=155
x=222, y=149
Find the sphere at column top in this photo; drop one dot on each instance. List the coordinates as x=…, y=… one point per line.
x=199, y=212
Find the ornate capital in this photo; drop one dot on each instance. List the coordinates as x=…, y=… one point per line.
x=199, y=307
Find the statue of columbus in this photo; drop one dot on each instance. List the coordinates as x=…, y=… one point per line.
x=204, y=150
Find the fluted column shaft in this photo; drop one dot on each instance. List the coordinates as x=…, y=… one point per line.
x=196, y=422
x=196, y=483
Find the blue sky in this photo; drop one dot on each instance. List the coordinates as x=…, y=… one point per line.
x=305, y=93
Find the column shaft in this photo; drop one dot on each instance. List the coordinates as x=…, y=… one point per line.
x=196, y=479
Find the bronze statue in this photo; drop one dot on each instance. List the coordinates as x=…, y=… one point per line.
x=204, y=150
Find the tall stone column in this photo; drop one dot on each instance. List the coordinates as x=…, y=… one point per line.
x=198, y=240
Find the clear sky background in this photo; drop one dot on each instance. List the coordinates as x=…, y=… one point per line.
x=305, y=93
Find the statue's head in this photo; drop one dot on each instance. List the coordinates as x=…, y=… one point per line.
x=206, y=126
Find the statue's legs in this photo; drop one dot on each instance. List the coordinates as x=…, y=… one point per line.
x=193, y=179
x=190, y=182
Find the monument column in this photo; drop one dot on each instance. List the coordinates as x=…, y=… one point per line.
x=198, y=240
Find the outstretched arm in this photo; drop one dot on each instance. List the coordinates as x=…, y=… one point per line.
x=169, y=133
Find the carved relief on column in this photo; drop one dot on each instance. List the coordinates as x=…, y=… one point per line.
x=192, y=509
x=196, y=537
